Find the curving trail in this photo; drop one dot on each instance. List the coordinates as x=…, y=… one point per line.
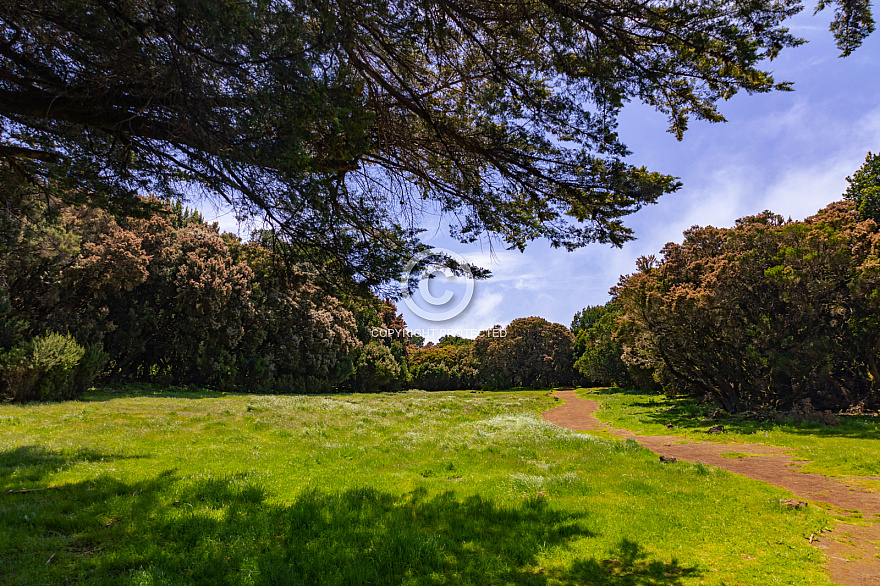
x=852, y=560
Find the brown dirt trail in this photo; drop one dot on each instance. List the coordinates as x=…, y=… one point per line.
x=852, y=552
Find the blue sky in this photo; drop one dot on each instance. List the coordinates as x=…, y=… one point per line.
x=789, y=152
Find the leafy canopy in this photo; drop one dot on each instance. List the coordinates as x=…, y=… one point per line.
x=864, y=188
x=341, y=123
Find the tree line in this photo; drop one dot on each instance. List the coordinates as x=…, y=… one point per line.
x=339, y=125
x=167, y=298
x=770, y=313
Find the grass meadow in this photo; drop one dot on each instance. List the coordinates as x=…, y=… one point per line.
x=150, y=487
x=850, y=449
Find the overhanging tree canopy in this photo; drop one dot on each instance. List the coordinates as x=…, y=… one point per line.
x=343, y=121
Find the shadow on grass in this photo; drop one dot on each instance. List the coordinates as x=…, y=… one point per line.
x=134, y=390
x=143, y=389
x=224, y=530
x=25, y=465
x=687, y=414
x=629, y=565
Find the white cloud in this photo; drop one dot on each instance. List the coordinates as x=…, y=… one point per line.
x=787, y=152
x=530, y=283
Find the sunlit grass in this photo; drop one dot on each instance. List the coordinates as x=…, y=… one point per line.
x=737, y=455
x=409, y=488
x=848, y=449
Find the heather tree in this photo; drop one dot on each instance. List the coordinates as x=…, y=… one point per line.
x=769, y=313
x=530, y=352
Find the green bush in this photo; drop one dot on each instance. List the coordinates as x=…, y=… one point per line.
x=92, y=363
x=530, y=352
x=447, y=366
x=597, y=349
x=377, y=369
x=43, y=369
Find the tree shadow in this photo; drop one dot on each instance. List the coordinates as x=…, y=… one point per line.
x=226, y=530
x=23, y=466
x=630, y=565
x=152, y=390
x=688, y=414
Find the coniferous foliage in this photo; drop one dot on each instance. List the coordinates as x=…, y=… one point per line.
x=341, y=121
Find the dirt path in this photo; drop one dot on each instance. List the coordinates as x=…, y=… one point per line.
x=851, y=554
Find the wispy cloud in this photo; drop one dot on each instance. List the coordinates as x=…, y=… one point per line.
x=786, y=152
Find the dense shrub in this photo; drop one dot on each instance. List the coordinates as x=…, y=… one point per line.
x=169, y=299
x=306, y=335
x=383, y=363
x=48, y=368
x=185, y=321
x=530, y=352
x=91, y=365
x=443, y=367
x=377, y=369
x=769, y=313
x=598, y=350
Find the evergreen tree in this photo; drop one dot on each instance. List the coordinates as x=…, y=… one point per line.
x=340, y=122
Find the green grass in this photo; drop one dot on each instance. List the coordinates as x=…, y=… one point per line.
x=848, y=449
x=409, y=488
